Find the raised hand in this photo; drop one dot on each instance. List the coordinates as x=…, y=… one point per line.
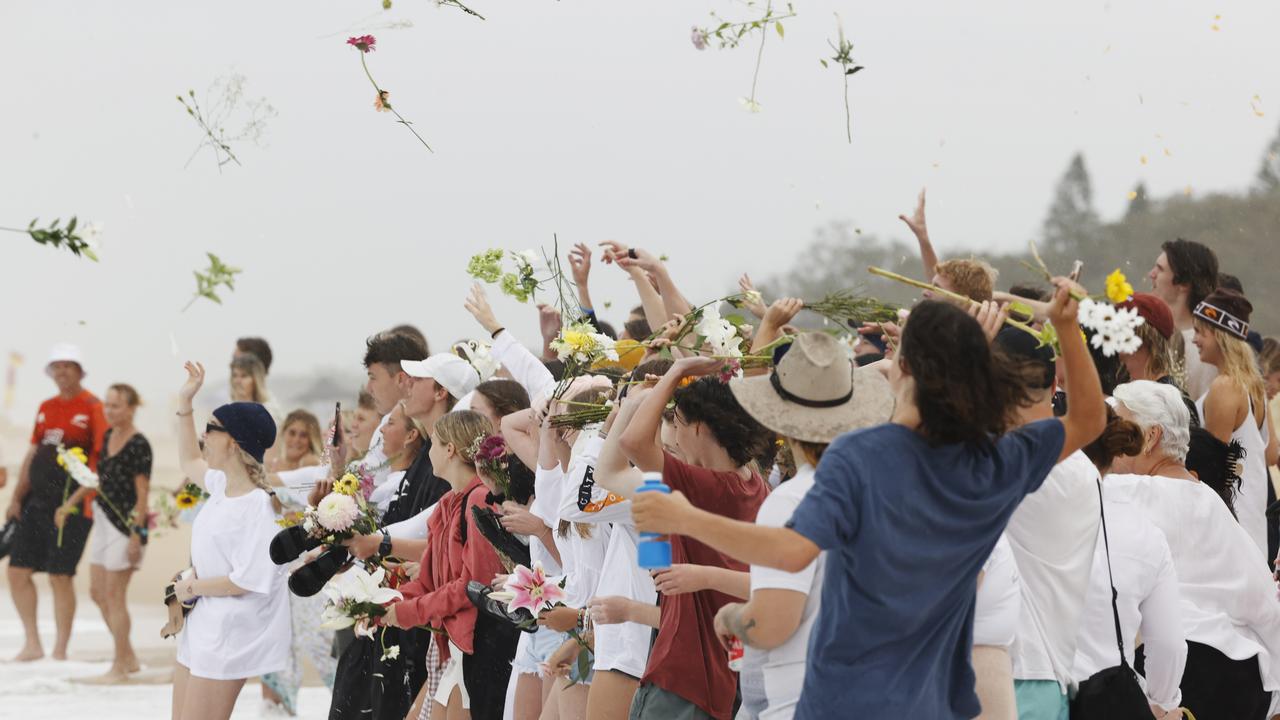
x=783, y=311
x=916, y=222
x=1063, y=308
x=752, y=301
x=580, y=263
x=478, y=305
x=195, y=379
x=991, y=316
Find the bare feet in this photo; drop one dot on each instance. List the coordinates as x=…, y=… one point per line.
x=30, y=654
x=114, y=676
x=59, y=655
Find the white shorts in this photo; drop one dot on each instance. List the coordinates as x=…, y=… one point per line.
x=451, y=678
x=535, y=649
x=109, y=547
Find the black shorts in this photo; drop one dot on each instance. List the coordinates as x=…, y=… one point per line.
x=35, y=544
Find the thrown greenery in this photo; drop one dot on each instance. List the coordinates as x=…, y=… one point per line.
x=217, y=275
x=58, y=237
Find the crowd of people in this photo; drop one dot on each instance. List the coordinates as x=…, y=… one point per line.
x=939, y=517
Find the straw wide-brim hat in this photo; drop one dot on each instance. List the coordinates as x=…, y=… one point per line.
x=815, y=393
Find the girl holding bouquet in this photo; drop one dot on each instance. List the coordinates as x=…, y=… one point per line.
x=478, y=650
x=239, y=625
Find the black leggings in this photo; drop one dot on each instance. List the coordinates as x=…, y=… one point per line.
x=1215, y=687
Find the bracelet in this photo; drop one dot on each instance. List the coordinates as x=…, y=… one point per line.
x=496, y=333
x=188, y=413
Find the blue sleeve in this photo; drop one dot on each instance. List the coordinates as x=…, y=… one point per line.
x=828, y=514
x=1027, y=454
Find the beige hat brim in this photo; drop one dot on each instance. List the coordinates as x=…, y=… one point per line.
x=872, y=404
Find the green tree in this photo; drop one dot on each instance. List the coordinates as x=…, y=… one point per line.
x=1138, y=201
x=1268, y=178
x=1072, y=225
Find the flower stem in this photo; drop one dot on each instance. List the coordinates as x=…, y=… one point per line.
x=848, y=121
x=399, y=117
x=764, y=35
x=17, y=230
x=957, y=298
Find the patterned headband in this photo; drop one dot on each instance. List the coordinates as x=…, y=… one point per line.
x=1222, y=319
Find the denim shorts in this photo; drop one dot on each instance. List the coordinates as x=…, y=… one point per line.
x=535, y=649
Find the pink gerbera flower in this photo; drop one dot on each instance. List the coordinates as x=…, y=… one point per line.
x=532, y=590
x=364, y=43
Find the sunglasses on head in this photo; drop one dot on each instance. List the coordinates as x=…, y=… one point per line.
x=211, y=428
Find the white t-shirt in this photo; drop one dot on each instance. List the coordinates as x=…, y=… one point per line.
x=623, y=647
x=1228, y=597
x=999, y=600
x=546, y=497
x=581, y=557
x=783, y=666
x=1052, y=534
x=1146, y=596
x=1199, y=374
x=244, y=636
x=383, y=494
x=375, y=460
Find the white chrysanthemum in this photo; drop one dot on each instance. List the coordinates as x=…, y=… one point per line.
x=337, y=512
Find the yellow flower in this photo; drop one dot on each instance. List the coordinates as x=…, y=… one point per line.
x=578, y=341
x=348, y=484
x=1118, y=288
x=185, y=501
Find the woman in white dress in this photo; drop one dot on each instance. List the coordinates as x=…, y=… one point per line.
x=1235, y=407
x=239, y=627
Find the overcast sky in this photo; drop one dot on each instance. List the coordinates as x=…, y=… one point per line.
x=592, y=120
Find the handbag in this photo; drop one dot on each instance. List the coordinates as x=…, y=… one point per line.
x=6, y=537
x=1111, y=693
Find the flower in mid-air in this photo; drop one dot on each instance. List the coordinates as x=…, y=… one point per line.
x=364, y=43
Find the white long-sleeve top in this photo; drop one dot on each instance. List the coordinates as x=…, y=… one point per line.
x=524, y=366
x=1147, y=599
x=1228, y=597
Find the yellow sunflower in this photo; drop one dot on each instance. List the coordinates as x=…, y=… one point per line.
x=185, y=500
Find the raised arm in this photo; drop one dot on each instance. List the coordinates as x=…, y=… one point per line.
x=920, y=229
x=639, y=442
x=781, y=312
x=580, y=266
x=190, y=459
x=524, y=366
x=627, y=258
x=520, y=430
x=613, y=470
x=774, y=547
x=1086, y=416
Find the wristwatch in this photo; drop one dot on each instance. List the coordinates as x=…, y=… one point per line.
x=384, y=547
x=141, y=532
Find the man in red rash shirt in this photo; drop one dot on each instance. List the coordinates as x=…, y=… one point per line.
x=72, y=418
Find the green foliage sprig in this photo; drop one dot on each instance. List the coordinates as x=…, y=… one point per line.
x=217, y=275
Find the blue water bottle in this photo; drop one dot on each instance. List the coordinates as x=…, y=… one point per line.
x=653, y=552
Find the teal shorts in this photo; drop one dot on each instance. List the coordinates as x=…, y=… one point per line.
x=1040, y=700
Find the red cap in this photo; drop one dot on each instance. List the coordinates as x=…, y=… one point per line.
x=1153, y=310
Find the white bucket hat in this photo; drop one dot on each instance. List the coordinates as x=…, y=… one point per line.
x=64, y=352
x=815, y=393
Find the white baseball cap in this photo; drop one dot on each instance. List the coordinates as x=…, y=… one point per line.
x=452, y=372
x=64, y=352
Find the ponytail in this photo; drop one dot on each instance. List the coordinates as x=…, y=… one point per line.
x=258, y=476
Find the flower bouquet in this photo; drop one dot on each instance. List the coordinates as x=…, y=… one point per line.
x=76, y=463
x=519, y=282
x=342, y=514
x=530, y=589
x=358, y=598
x=580, y=346
x=493, y=460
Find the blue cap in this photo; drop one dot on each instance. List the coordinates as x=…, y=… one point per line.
x=250, y=425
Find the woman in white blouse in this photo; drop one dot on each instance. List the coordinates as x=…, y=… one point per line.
x=239, y=627
x=1135, y=557
x=1230, y=614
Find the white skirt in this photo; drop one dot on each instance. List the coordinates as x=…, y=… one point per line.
x=108, y=547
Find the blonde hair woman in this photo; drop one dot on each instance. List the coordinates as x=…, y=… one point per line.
x=479, y=648
x=1235, y=407
x=239, y=626
x=300, y=438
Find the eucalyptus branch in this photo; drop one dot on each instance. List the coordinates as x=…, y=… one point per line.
x=61, y=236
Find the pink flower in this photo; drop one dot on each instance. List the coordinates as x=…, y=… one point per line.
x=364, y=43
x=699, y=38
x=532, y=590
x=337, y=512
x=492, y=448
x=381, y=103
x=730, y=369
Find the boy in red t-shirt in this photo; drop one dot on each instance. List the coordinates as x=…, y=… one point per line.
x=72, y=418
x=688, y=674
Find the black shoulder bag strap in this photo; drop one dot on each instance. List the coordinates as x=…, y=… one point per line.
x=1115, y=610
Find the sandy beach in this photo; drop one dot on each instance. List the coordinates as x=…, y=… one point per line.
x=49, y=688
